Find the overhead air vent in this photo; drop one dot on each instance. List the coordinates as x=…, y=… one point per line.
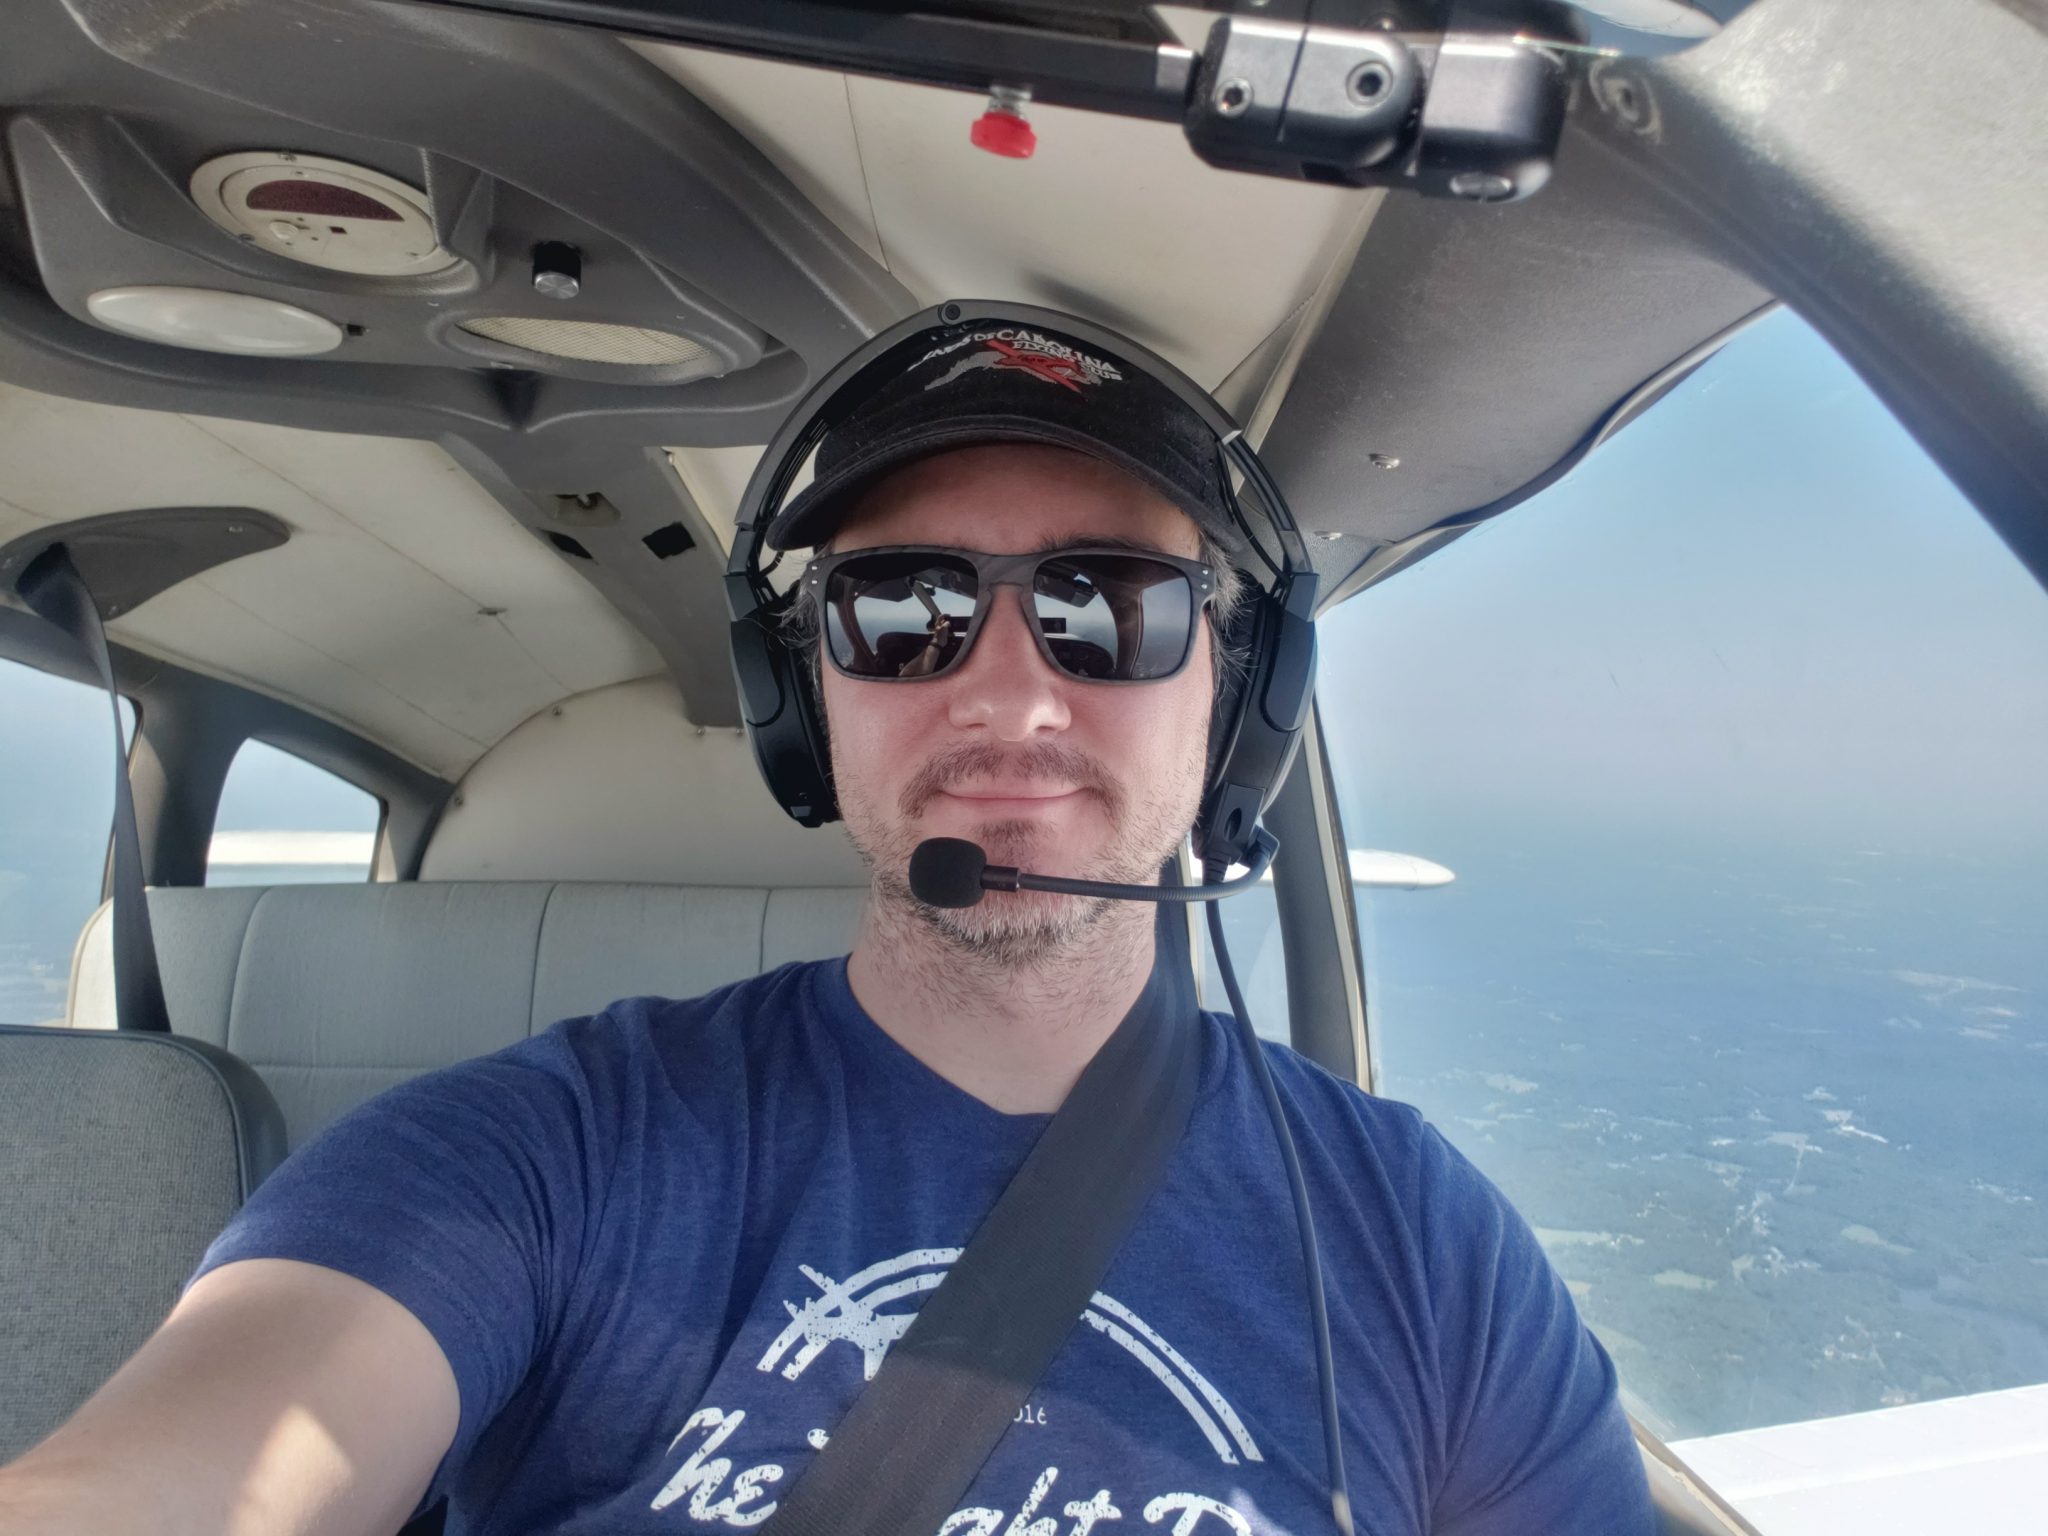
x=588, y=341
x=323, y=213
x=668, y=541
x=568, y=546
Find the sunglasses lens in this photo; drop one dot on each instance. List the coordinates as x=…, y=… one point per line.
x=1115, y=618
x=898, y=615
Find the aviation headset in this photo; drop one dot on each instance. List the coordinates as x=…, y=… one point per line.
x=1260, y=711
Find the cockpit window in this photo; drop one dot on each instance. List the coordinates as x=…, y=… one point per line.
x=1734, y=742
x=282, y=821
x=56, y=806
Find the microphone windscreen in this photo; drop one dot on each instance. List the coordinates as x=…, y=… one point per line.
x=946, y=872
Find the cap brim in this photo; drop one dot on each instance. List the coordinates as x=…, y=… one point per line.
x=813, y=515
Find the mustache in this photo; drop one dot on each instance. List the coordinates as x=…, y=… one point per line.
x=1037, y=760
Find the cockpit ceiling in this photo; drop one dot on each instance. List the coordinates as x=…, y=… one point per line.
x=1111, y=218
x=411, y=603
x=406, y=605
x=768, y=214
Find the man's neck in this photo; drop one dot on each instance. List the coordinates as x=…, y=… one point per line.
x=1016, y=1037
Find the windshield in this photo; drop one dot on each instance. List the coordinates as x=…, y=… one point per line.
x=1733, y=741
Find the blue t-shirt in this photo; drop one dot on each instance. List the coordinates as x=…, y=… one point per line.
x=664, y=1247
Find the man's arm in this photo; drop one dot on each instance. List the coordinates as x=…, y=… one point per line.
x=278, y=1398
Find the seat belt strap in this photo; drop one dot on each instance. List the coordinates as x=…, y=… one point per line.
x=53, y=589
x=905, y=1454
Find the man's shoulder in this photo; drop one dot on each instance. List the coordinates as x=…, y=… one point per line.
x=1368, y=1140
x=1330, y=1102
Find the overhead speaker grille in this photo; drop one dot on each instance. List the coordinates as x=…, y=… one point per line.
x=589, y=341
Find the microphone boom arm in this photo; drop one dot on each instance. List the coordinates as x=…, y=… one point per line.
x=1003, y=877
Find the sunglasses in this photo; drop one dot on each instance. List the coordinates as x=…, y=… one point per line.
x=907, y=612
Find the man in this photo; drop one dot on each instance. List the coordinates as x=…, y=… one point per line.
x=627, y=1276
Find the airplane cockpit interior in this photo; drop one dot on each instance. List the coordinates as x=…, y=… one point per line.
x=1659, y=393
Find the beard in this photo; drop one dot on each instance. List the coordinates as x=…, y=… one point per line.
x=1013, y=929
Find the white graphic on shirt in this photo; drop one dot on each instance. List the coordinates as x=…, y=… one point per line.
x=1191, y=1507
x=702, y=1475
x=871, y=1310
x=702, y=1478
x=850, y=1311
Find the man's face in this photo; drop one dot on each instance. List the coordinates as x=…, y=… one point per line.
x=1044, y=771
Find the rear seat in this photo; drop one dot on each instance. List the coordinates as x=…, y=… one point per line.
x=335, y=992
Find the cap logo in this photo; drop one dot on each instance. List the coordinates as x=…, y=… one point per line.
x=1027, y=351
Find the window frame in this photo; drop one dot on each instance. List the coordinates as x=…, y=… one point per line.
x=132, y=728
x=1317, y=914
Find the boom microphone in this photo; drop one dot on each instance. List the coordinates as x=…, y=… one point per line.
x=952, y=872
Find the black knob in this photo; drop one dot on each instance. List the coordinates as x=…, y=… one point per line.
x=557, y=269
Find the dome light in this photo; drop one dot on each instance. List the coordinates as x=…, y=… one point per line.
x=208, y=320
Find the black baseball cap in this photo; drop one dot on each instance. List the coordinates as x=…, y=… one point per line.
x=1001, y=381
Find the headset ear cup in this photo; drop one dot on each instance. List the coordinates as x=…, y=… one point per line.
x=810, y=714
x=1237, y=684
x=1258, y=725
x=1233, y=682
x=783, y=719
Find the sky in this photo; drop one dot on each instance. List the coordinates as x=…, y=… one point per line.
x=1758, y=615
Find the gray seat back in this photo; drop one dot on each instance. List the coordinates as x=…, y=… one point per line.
x=336, y=992
x=122, y=1155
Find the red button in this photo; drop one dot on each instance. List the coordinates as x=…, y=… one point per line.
x=1004, y=133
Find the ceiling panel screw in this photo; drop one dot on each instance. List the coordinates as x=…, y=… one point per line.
x=1369, y=83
